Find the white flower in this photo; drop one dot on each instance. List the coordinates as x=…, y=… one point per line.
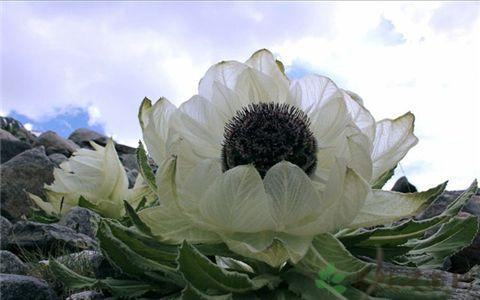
x=98, y=176
x=265, y=163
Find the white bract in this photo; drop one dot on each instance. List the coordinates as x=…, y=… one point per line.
x=98, y=176
x=273, y=218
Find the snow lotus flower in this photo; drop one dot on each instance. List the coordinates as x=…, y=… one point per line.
x=265, y=163
x=96, y=175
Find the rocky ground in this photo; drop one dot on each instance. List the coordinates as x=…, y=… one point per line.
x=27, y=163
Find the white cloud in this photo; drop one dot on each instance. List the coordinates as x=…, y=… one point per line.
x=28, y=126
x=105, y=57
x=94, y=115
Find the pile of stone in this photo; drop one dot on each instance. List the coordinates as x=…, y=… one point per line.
x=27, y=164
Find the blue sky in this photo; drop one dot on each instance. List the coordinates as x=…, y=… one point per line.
x=66, y=65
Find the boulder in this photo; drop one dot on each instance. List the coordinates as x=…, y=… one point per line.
x=83, y=136
x=132, y=177
x=15, y=287
x=129, y=161
x=39, y=236
x=87, y=295
x=5, y=229
x=54, y=143
x=81, y=220
x=5, y=135
x=9, y=149
x=461, y=285
x=28, y=171
x=16, y=129
x=402, y=185
x=57, y=158
x=11, y=264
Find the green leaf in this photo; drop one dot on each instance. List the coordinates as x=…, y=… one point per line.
x=455, y=206
x=132, y=263
x=448, y=240
x=337, y=278
x=141, y=204
x=120, y=288
x=309, y=289
x=191, y=293
x=380, y=182
x=145, y=168
x=69, y=277
x=204, y=275
x=144, y=245
x=129, y=288
x=83, y=202
x=392, y=238
x=306, y=288
x=136, y=221
x=327, y=251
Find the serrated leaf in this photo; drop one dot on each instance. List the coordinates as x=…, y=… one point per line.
x=144, y=245
x=380, y=182
x=448, y=240
x=144, y=166
x=455, y=206
x=70, y=278
x=136, y=221
x=392, y=238
x=327, y=250
x=132, y=263
x=129, y=289
x=206, y=276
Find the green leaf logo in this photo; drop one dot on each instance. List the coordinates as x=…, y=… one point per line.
x=329, y=279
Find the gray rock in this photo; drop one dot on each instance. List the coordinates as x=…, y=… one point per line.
x=10, y=149
x=402, y=185
x=11, y=264
x=15, y=287
x=54, y=143
x=132, y=177
x=57, y=158
x=124, y=149
x=460, y=285
x=81, y=220
x=5, y=229
x=129, y=161
x=31, y=235
x=28, y=171
x=87, y=295
x=16, y=129
x=5, y=135
x=83, y=136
